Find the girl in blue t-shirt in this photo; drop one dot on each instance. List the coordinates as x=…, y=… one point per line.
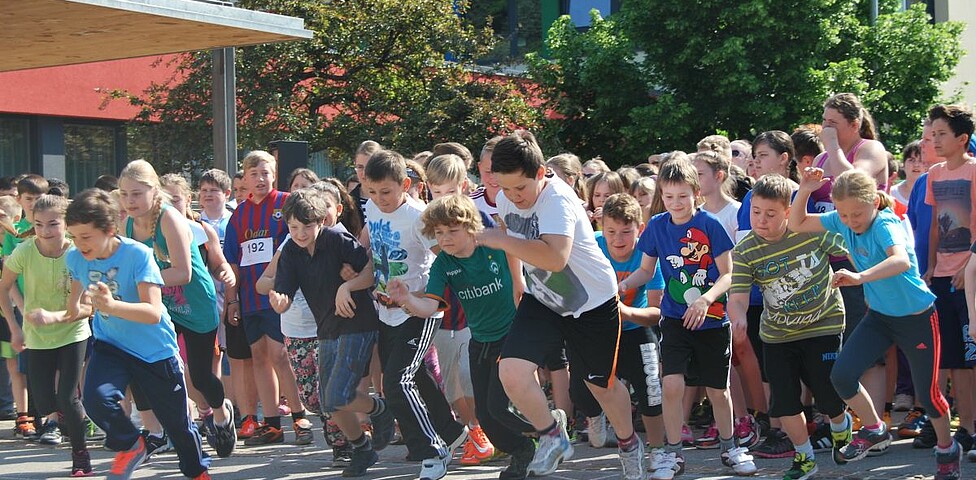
x=134, y=338
x=901, y=310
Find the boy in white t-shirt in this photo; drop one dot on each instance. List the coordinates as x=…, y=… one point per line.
x=400, y=251
x=571, y=298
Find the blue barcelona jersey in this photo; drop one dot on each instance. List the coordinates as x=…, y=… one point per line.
x=254, y=233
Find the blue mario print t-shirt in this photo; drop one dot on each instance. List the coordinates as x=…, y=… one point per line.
x=686, y=255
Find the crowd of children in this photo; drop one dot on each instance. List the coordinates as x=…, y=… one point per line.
x=783, y=293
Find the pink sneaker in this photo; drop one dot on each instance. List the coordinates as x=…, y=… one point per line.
x=709, y=440
x=687, y=437
x=283, y=409
x=747, y=431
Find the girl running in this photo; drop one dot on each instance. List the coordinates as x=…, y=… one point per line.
x=134, y=338
x=901, y=311
x=56, y=341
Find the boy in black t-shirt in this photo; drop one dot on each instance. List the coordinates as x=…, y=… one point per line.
x=347, y=325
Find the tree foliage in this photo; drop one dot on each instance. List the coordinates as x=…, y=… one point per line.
x=375, y=69
x=662, y=74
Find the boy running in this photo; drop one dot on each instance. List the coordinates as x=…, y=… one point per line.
x=803, y=314
x=696, y=340
x=570, y=299
x=344, y=313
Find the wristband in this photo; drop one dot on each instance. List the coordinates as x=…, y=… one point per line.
x=232, y=302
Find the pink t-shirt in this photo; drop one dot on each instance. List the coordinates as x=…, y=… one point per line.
x=951, y=193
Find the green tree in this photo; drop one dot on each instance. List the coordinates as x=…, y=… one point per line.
x=375, y=69
x=593, y=82
x=738, y=67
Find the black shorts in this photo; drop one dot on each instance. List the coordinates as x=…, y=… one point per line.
x=4, y=330
x=958, y=350
x=237, y=346
x=639, y=363
x=753, y=320
x=702, y=356
x=262, y=323
x=809, y=360
x=556, y=361
x=538, y=333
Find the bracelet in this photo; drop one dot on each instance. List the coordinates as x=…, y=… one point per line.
x=232, y=302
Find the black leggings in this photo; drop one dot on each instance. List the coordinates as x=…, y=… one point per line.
x=55, y=376
x=504, y=427
x=199, y=363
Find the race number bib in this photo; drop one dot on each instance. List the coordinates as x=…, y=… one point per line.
x=257, y=251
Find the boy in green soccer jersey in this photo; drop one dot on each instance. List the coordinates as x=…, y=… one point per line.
x=481, y=279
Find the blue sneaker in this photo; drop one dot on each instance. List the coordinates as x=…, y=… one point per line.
x=552, y=449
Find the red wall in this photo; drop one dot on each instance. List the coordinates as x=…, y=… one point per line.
x=80, y=90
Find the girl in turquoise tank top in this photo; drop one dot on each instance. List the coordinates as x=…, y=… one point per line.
x=189, y=294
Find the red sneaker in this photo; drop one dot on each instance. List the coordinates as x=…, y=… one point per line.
x=248, y=427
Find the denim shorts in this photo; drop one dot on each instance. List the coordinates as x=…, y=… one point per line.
x=342, y=363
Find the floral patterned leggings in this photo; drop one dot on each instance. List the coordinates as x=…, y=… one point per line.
x=303, y=353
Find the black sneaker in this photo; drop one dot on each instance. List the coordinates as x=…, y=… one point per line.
x=775, y=445
x=518, y=468
x=223, y=439
x=762, y=418
x=701, y=414
x=156, y=445
x=264, y=435
x=822, y=440
x=962, y=437
x=384, y=429
x=342, y=456
x=81, y=464
x=926, y=437
x=362, y=458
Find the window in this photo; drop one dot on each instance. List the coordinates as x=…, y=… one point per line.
x=14, y=146
x=517, y=25
x=89, y=151
x=579, y=10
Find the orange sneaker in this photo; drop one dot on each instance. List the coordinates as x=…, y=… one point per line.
x=248, y=427
x=25, y=426
x=126, y=462
x=203, y=476
x=264, y=435
x=477, y=449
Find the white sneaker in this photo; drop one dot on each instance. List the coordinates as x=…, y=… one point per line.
x=632, y=462
x=657, y=458
x=903, y=402
x=596, y=428
x=669, y=464
x=552, y=450
x=739, y=460
x=434, y=468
